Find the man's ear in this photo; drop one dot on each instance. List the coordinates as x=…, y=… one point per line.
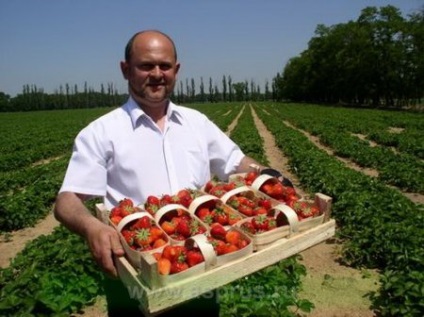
x=125, y=69
x=177, y=68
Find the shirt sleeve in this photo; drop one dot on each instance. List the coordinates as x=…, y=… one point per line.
x=87, y=172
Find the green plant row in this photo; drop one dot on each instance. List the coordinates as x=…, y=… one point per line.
x=398, y=169
x=248, y=138
x=222, y=114
x=53, y=276
x=26, y=205
x=26, y=138
x=381, y=228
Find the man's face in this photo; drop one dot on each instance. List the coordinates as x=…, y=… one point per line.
x=152, y=69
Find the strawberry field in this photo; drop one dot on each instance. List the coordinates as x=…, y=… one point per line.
x=380, y=217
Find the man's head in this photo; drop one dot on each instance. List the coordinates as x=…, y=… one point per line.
x=150, y=67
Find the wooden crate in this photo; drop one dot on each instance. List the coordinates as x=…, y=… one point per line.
x=159, y=298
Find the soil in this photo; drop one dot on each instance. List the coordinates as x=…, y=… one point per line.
x=336, y=290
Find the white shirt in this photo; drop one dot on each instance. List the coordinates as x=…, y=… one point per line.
x=124, y=154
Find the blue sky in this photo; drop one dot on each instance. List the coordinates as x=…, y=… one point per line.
x=49, y=43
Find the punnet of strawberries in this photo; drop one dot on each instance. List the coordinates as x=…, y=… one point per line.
x=183, y=197
x=262, y=223
x=143, y=234
x=124, y=208
x=181, y=225
x=177, y=258
x=214, y=211
x=250, y=205
x=272, y=188
x=226, y=240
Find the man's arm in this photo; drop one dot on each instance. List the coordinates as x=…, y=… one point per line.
x=102, y=239
x=245, y=163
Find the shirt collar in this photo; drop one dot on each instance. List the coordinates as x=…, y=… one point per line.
x=173, y=112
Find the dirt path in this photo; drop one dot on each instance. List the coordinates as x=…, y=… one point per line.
x=13, y=243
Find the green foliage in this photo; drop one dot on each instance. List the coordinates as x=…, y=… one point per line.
x=54, y=276
x=269, y=292
x=375, y=60
x=381, y=227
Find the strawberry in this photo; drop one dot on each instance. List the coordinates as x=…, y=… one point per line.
x=168, y=227
x=142, y=238
x=144, y=222
x=245, y=210
x=233, y=237
x=248, y=227
x=218, y=231
x=277, y=190
x=115, y=219
x=177, y=267
x=219, y=246
x=183, y=228
x=158, y=243
x=250, y=177
x=128, y=236
x=164, y=266
x=267, y=188
x=260, y=223
x=208, y=186
x=233, y=218
x=152, y=201
x=230, y=248
x=203, y=212
x=174, y=253
x=229, y=186
x=265, y=203
x=126, y=202
x=260, y=211
x=306, y=209
x=242, y=243
x=165, y=200
x=184, y=197
x=194, y=257
x=220, y=216
x=156, y=233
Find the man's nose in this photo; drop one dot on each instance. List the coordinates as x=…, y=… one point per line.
x=156, y=71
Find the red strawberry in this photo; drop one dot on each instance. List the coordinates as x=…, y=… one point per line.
x=177, y=267
x=194, y=257
x=183, y=228
x=153, y=201
x=218, y=231
x=248, y=227
x=142, y=238
x=168, y=227
x=233, y=237
x=164, y=266
x=142, y=223
x=260, y=223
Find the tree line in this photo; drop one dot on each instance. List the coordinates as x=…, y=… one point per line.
x=377, y=60
x=34, y=98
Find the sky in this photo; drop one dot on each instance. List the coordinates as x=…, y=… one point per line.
x=49, y=43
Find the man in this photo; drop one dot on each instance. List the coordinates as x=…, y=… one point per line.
x=149, y=146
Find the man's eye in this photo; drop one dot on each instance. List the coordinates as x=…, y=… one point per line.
x=165, y=66
x=146, y=67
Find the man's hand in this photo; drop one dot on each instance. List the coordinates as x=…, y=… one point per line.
x=104, y=243
x=102, y=239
